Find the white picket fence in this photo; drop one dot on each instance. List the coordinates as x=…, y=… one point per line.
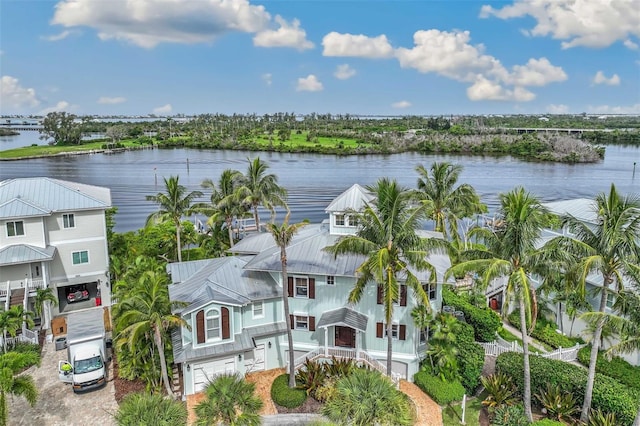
x=500, y=346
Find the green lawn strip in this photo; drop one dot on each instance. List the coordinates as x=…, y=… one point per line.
x=300, y=140
x=47, y=150
x=452, y=413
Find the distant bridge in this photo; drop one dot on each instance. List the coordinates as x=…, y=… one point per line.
x=21, y=127
x=522, y=130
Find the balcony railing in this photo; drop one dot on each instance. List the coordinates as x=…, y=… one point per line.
x=28, y=283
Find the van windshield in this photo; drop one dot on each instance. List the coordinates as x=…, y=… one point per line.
x=87, y=365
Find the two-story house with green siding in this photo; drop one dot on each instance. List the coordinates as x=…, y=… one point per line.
x=322, y=321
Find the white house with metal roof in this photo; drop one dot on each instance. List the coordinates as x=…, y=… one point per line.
x=53, y=234
x=236, y=317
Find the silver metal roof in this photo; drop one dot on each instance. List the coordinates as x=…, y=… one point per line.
x=260, y=241
x=343, y=317
x=224, y=280
x=242, y=342
x=46, y=195
x=24, y=253
x=183, y=270
x=353, y=198
x=85, y=323
x=583, y=209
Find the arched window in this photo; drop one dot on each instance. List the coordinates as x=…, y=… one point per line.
x=213, y=324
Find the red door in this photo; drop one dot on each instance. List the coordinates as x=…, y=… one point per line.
x=345, y=337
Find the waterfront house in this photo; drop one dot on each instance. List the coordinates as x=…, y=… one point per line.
x=236, y=317
x=53, y=234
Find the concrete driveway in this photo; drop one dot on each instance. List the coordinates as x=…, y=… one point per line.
x=57, y=404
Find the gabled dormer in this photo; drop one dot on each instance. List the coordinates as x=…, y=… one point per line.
x=341, y=222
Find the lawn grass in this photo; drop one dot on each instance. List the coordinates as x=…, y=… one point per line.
x=451, y=414
x=46, y=150
x=300, y=140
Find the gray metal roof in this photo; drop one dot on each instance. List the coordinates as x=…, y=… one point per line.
x=343, y=317
x=353, y=198
x=583, y=209
x=49, y=195
x=183, y=270
x=242, y=342
x=260, y=241
x=85, y=323
x=24, y=253
x=224, y=280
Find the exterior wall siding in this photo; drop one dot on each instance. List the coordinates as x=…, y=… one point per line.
x=33, y=233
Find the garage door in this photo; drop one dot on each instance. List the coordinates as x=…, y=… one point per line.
x=207, y=371
x=255, y=360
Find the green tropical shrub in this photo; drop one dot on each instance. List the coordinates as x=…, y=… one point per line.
x=366, y=398
x=609, y=395
x=615, y=367
x=509, y=415
x=470, y=358
x=143, y=409
x=547, y=422
x=598, y=418
x=340, y=367
x=559, y=405
x=501, y=390
x=229, y=400
x=440, y=391
x=545, y=331
x=311, y=376
x=285, y=396
x=484, y=321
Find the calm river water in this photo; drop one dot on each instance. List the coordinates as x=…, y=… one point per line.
x=314, y=180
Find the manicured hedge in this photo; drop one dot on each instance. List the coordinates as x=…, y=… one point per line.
x=470, y=358
x=617, y=367
x=440, y=391
x=609, y=395
x=285, y=396
x=547, y=422
x=484, y=321
x=544, y=331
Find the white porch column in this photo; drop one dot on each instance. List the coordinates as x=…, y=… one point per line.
x=7, y=303
x=326, y=341
x=357, y=344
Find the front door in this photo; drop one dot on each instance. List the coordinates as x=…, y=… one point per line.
x=345, y=337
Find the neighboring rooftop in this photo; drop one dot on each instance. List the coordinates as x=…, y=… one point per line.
x=583, y=209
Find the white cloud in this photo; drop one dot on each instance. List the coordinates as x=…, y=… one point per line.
x=589, y=23
x=16, y=98
x=57, y=37
x=147, y=23
x=600, y=78
x=267, y=78
x=607, y=109
x=401, y=104
x=288, y=35
x=59, y=107
x=537, y=72
x=629, y=44
x=344, y=72
x=163, y=110
x=111, y=101
x=356, y=45
x=487, y=90
x=309, y=83
x=557, y=109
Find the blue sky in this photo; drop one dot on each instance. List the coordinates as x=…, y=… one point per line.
x=359, y=57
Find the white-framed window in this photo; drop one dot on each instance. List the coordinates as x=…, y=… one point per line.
x=301, y=322
x=301, y=287
x=331, y=280
x=395, y=327
x=212, y=325
x=15, y=228
x=340, y=220
x=611, y=299
x=258, y=309
x=80, y=257
x=68, y=220
x=431, y=290
x=352, y=220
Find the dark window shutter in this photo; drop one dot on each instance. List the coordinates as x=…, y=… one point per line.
x=225, y=323
x=312, y=323
x=292, y=324
x=290, y=285
x=200, y=327
x=402, y=335
x=379, y=295
x=312, y=288
x=403, y=295
x=379, y=329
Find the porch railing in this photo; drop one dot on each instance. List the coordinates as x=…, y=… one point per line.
x=29, y=283
x=29, y=336
x=500, y=346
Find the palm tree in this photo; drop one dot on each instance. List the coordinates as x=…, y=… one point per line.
x=229, y=400
x=261, y=189
x=147, y=311
x=43, y=297
x=387, y=237
x=283, y=234
x=443, y=347
x=511, y=252
x=23, y=385
x=446, y=202
x=224, y=204
x=174, y=203
x=9, y=323
x=608, y=248
x=150, y=409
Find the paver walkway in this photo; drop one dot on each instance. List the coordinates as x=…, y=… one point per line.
x=428, y=413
